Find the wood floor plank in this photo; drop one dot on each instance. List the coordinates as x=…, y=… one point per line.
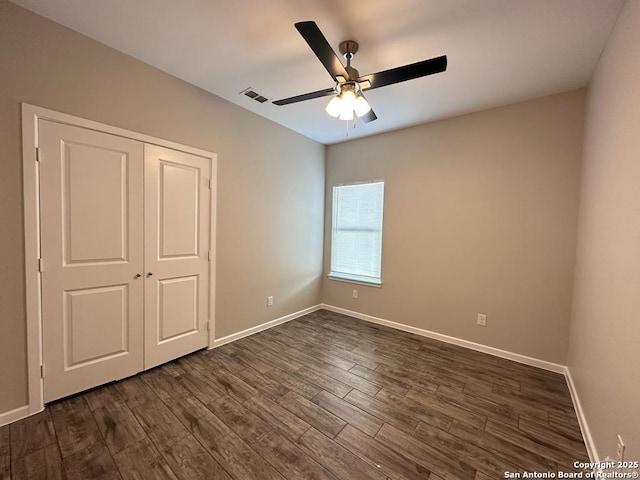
x=348, y=413
x=502, y=448
x=432, y=459
x=559, y=395
x=223, y=357
x=174, y=369
x=471, y=373
x=557, y=427
x=5, y=452
x=43, y=463
x=239, y=419
x=231, y=384
x=30, y=434
x=544, y=433
x=288, y=459
x=105, y=395
x=189, y=459
x=311, y=413
x=155, y=416
x=94, y=462
x=380, y=379
x=374, y=356
x=353, y=357
x=323, y=381
x=418, y=410
x=532, y=442
x=238, y=458
x=535, y=398
x=382, y=411
x=477, y=457
x=134, y=390
x=337, y=459
x=348, y=378
x=418, y=378
x=294, y=383
x=267, y=386
x=452, y=410
x=290, y=425
x=566, y=423
x=118, y=426
x=517, y=404
x=481, y=405
x=415, y=358
x=76, y=428
x=198, y=418
x=393, y=464
x=199, y=386
x=324, y=356
x=248, y=358
x=142, y=461
x=466, y=355
x=165, y=386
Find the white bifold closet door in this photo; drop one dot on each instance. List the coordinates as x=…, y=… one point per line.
x=176, y=253
x=124, y=245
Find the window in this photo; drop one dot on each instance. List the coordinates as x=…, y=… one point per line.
x=356, y=234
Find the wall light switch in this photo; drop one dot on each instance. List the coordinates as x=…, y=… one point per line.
x=482, y=320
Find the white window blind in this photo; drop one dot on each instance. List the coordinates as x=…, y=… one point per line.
x=356, y=236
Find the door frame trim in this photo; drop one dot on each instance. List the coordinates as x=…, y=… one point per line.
x=31, y=202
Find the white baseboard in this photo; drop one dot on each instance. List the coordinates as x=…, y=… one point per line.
x=516, y=357
x=582, y=419
x=13, y=415
x=258, y=328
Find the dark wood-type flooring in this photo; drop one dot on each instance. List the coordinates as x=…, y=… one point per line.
x=321, y=397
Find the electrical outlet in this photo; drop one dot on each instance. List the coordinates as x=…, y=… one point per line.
x=620, y=450
x=482, y=320
x=355, y=294
x=270, y=301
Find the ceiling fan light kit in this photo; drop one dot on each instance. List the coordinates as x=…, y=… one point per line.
x=350, y=100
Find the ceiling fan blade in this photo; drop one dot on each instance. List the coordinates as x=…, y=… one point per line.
x=406, y=72
x=370, y=116
x=306, y=96
x=320, y=46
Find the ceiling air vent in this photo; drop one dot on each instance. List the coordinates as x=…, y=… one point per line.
x=251, y=93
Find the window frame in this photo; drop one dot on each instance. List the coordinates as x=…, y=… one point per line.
x=354, y=278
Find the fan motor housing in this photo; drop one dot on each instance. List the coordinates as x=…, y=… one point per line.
x=348, y=48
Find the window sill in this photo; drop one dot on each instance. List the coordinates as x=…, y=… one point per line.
x=366, y=283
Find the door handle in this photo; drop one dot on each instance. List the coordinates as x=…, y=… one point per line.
x=137, y=275
x=149, y=274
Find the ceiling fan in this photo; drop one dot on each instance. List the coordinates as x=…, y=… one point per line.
x=349, y=99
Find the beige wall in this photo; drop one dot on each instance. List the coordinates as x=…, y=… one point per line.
x=479, y=217
x=270, y=179
x=605, y=326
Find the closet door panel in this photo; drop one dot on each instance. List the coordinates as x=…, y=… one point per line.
x=92, y=248
x=177, y=199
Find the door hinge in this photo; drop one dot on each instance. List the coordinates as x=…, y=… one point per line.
x=211, y=184
x=42, y=371
x=209, y=256
x=40, y=268
x=38, y=154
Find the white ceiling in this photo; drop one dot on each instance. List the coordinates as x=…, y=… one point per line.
x=499, y=51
